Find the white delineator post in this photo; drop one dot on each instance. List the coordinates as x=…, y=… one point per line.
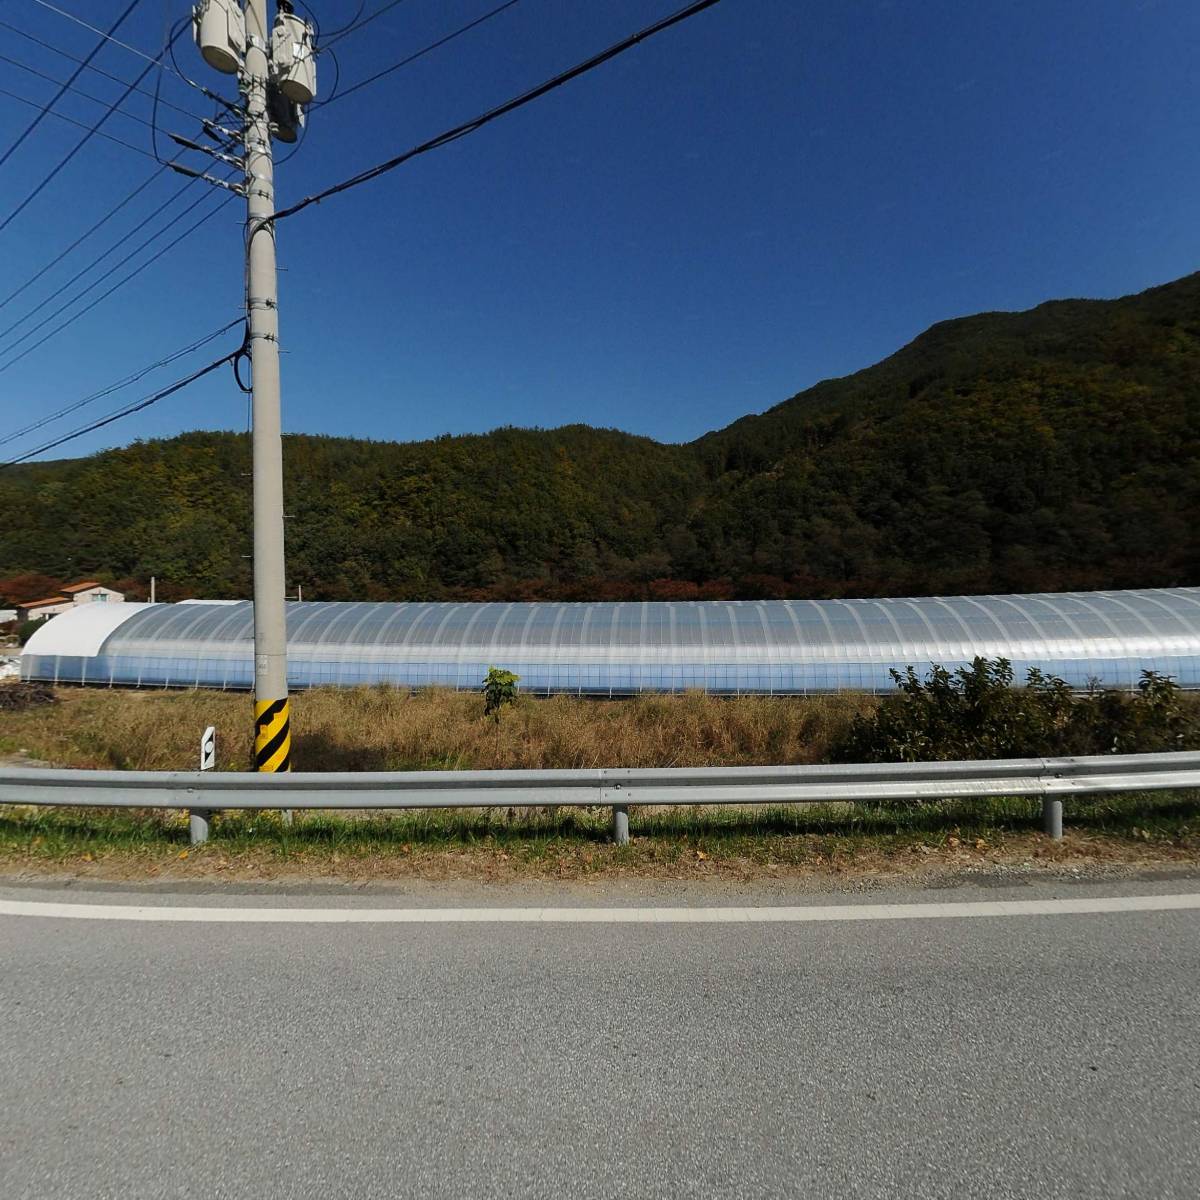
x=199, y=819
x=272, y=734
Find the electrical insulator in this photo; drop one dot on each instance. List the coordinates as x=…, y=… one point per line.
x=219, y=29
x=286, y=116
x=293, y=58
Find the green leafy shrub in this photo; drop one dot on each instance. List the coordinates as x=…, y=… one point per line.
x=499, y=689
x=976, y=712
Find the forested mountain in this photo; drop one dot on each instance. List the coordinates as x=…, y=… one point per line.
x=1050, y=449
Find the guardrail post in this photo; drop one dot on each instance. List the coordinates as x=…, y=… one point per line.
x=1052, y=817
x=621, y=824
x=198, y=821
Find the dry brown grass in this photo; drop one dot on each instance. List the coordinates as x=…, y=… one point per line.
x=384, y=728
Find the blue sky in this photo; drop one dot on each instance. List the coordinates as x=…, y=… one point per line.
x=775, y=192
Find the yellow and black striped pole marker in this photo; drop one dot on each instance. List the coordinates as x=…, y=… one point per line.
x=272, y=736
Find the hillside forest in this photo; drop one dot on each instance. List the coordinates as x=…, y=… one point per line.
x=1045, y=450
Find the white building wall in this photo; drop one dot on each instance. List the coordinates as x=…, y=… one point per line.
x=46, y=610
x=103, y=594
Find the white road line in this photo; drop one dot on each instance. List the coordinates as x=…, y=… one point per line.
x=810, y=914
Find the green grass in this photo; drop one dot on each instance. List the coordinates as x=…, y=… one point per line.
x=577, y=840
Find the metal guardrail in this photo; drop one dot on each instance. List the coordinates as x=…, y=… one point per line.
x=203, y=793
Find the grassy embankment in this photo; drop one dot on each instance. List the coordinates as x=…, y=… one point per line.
x=386, y=729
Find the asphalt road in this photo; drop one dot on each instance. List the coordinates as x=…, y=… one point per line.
x=1049, y=1056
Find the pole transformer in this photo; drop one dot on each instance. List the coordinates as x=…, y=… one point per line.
x=272, y=729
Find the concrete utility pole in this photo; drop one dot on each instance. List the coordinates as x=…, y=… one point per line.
x=272, y=731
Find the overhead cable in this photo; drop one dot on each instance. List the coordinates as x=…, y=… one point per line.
x=128, y=410
x=108, y=216
x=337, y=36
x=74, y=75
x=78, y=91
x=37, y=41
x=108, y=137
x=132, y=232
x=50, y=418
x=120, y=283
x=102, y=279
x=500, y=110
x=77, y=147
x=335, y=95
x=336, y=33
x=106, y=36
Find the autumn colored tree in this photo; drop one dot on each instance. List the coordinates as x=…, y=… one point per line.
x=29, y=585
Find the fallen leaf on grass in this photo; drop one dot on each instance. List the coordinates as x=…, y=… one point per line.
x=183, y=854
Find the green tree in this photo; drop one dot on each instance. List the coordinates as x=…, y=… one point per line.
x=499, y=691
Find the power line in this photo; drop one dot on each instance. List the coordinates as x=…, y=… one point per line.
x=78, y=91
x=102, y=279
x=336, y=33
x=486, y=118
x=119, y=384
x=120, y=283
x=75, y=150
x=334, y=38
x=109, y=137
x=487, y=16
x=74, y=75
x=128, y=410
x=108, y=216
x=37, y=41
x=107, y=36
x=95, y=263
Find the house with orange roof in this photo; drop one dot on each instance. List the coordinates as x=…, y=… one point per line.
x=91, y=591
x=39, y=610
x=88, y=591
